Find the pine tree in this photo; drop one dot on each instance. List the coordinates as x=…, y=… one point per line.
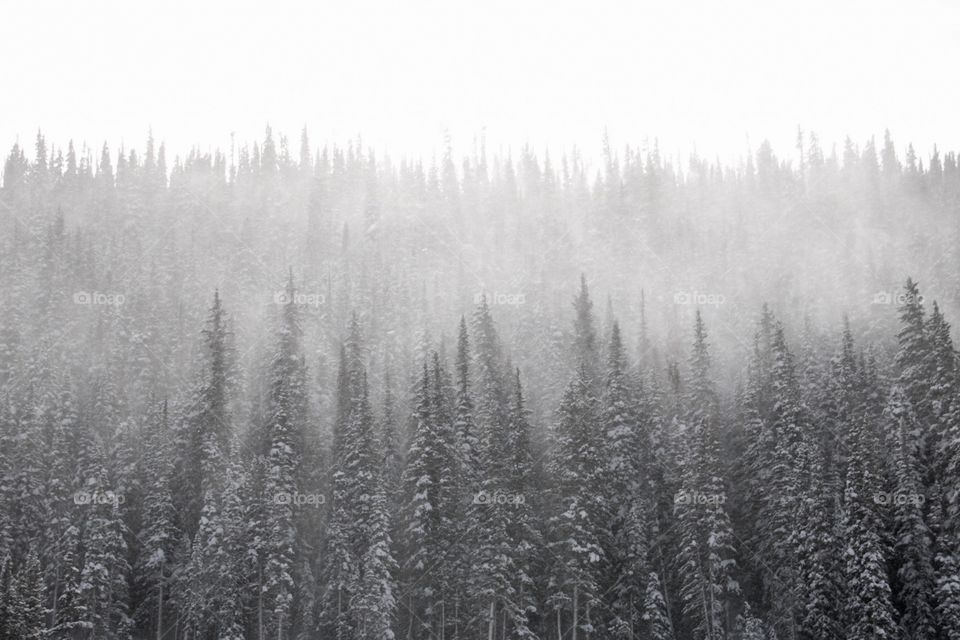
x=209, y=592
x=585, y=349
x=947, y=571
x=22, y=611
x=207, y=421
x=913, y=364
x=816, y=550
x=159, y=534
x=706, y=559
x=373, y=603
x=787, y=424
x=522, y=527
x=467, y=481
x=103, y=578
x=491, y=590
x=626, y=463
x=655, y=612
x=423, y=520
x=576, y=526
x=868, y=610
x=285, y=435
x=913, y=594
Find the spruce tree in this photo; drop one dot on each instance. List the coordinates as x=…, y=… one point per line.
x=914, y=583
x=706, y=559
x=207, y=421
x=158, y=534
x=285, y=438
x=656, y=616
x=868, y=611
x=576, y=526
x=627, y=462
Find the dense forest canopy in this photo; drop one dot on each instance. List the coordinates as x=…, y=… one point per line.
x=296, y=392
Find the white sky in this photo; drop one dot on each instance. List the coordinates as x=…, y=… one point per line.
x=712, y=74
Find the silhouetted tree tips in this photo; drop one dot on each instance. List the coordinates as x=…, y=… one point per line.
x=206, y=428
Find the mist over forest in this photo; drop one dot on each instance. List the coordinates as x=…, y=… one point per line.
x=292, y=390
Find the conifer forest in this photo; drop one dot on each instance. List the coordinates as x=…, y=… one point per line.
x=292, y=391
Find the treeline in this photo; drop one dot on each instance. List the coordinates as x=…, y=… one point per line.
x=413, y=435
x=411, y=244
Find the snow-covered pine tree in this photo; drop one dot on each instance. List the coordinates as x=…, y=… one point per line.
x=942, y=394
x=467, y=454
x=707, y=556
x=423, y=521
x=753, y=472
x=210, y=589
x=656, y=616
x=576, y=526
x=868, y=612
x=586, y=351
x=373, y=605
x=207, y=418
x=946, y=570
x=158, y=533
x=361, y=601
x=491, y=588
x=285, y=437
x=627, y=461
x=523, y=527
x=22, y=597
x=914, y=584
x=777, y=517
x=915, y=370
x=94, y=592
x=815, y=547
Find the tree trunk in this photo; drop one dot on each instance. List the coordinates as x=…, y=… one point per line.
x=576, y=605
x=589, y=624
x=410, y=624
x=492, y=622
x=160, y=607
x=56, y=596
x=665, y=588
x=260, y=600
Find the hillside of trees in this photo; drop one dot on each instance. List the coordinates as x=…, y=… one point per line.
x=265, y=394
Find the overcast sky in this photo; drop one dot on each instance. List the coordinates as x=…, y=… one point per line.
x=718, y=75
